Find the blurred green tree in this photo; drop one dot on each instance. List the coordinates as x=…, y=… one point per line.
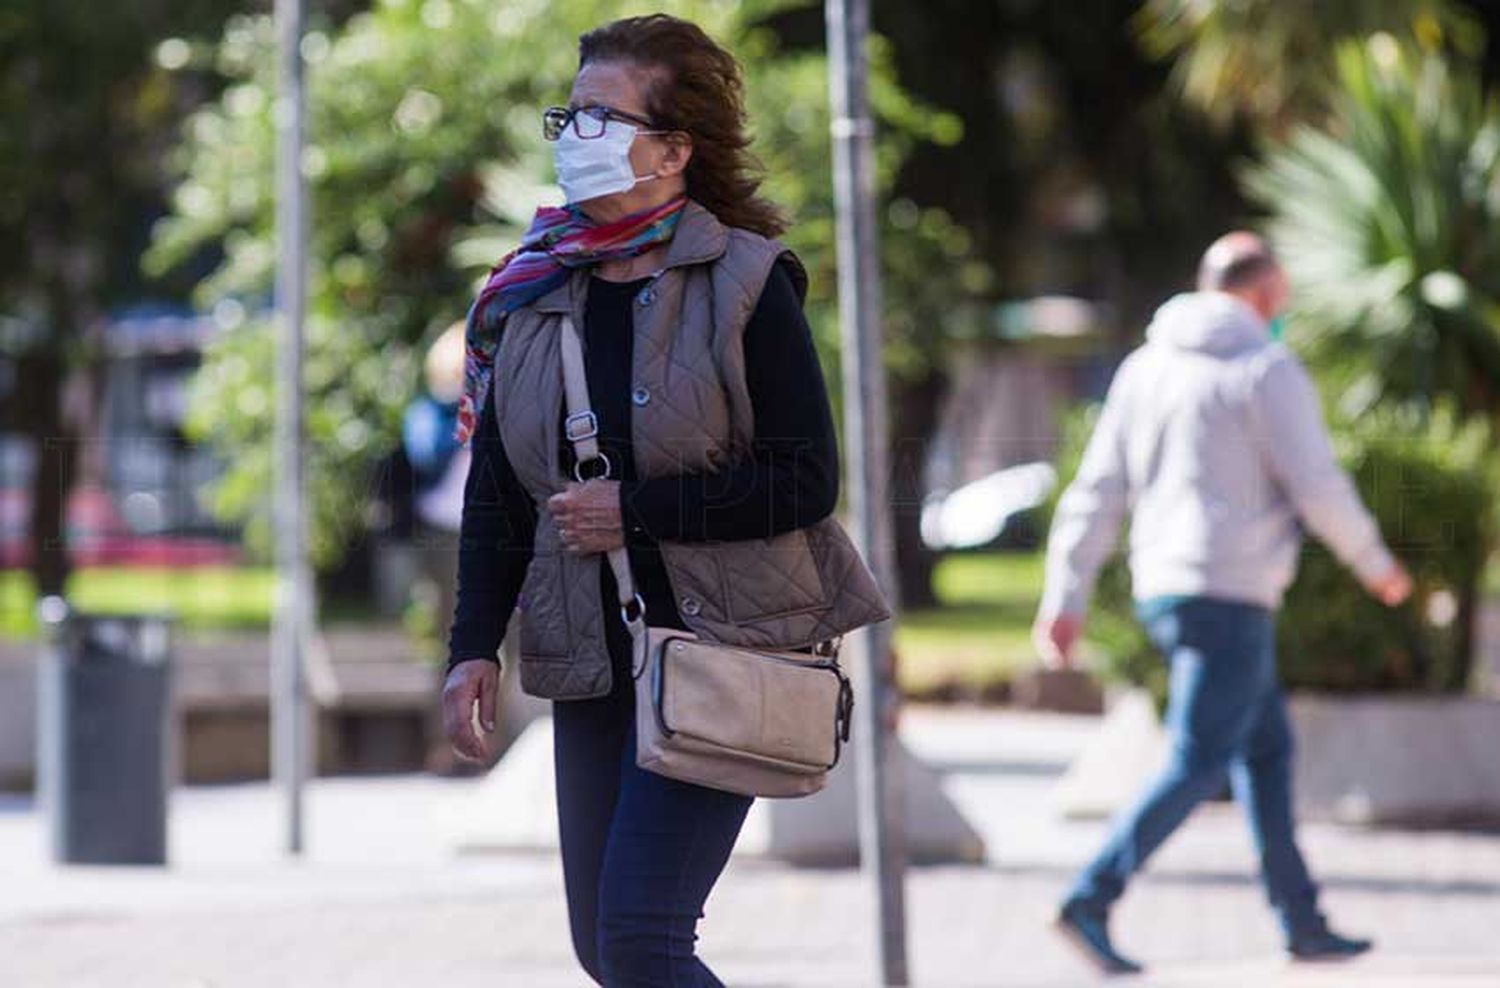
x=1389, y=222
x=1079, y=174
x=1270, y=61
x=1382, y=204
x=1430, y=482
x=87, y=103
x=425, y=164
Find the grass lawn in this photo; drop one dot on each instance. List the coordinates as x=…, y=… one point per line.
x=981, y=635
x=218, y=596
x=979, y=639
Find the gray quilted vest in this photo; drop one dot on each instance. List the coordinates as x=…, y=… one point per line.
x=691, y=412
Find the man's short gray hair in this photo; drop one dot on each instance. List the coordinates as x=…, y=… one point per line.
x=1235, y=261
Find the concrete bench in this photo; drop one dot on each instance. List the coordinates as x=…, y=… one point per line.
x=375, y=702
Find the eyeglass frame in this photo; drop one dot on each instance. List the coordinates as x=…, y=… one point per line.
x=604, y=114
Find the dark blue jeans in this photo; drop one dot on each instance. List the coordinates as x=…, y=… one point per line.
x=1226, y=714
x=640, y=851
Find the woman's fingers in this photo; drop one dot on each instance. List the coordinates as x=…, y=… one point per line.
x=561, y=505
x=466, y=683
x=489, y=686
x=587, y=516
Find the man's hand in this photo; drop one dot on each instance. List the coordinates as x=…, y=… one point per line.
x=588, y=516
x=1055, y=639
x=1393, y=588
x=471, y=680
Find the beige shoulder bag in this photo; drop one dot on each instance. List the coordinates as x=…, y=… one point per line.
x=752, y=721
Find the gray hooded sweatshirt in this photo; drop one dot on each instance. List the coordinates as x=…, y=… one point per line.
x=1212, y=440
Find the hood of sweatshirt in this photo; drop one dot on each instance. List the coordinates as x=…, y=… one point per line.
x=1208, y=322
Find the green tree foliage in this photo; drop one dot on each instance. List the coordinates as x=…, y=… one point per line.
x=1268, y=60
x=425, y=163
x=1379, y=173
x=1389, y=222
x=1430, y=484
x=1078, y=175
x=86, y=103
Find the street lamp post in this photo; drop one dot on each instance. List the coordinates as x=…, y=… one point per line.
x=882, y=851
x=293, y=584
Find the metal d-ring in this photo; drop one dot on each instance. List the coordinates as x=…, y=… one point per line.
x=578, y=468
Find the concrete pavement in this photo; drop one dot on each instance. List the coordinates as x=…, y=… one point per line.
x=379, y=899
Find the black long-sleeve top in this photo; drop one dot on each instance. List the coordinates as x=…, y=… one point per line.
x=789, y=479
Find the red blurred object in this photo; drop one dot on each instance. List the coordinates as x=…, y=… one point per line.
x=15, y=511
x=98, y=536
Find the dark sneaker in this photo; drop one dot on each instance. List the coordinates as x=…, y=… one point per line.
x=1088, y=932
x=1325, y=945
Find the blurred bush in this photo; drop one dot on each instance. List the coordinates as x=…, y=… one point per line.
x=425, y=162
x=1431, y=485
x=1266, y=61
x=1386, y=212
x=1388, y=220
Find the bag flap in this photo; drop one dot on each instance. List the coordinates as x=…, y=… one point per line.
x=762, y=703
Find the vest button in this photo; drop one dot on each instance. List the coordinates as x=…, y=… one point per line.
x=646, y=296
x=690, y=606
x=641, y=396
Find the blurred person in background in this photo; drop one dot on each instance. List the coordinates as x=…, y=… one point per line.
x=1212, y=442
x=440, y=466
x=714, y=421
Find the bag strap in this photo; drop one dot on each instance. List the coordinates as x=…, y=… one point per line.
x=582, y=429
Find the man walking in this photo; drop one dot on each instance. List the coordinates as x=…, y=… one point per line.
x=1212, y=441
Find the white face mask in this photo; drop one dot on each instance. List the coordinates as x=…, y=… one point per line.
x=596, y=166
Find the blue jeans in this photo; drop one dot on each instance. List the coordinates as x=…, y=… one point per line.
x=640, y=851
x=1226, y=714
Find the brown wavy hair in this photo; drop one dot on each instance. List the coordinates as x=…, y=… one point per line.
x=696, y=87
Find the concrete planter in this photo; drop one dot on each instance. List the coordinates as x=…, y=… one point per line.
x=1407, y=760
x=1398, y=759
x=17, y=717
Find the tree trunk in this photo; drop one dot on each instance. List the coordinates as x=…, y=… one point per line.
x=919, y=400
x=52, y=480
x=44, y=373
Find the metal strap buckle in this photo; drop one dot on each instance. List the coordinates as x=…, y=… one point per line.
x=580, y=426
x=606, y=470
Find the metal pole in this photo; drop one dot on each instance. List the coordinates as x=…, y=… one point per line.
x=289, y=632
x=882, y=850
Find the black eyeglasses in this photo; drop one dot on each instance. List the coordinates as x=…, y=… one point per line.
x=588, y=121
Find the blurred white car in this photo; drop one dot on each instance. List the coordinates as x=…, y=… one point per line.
x=978, y=514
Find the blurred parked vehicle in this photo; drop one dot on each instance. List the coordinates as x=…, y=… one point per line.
x=139, y=498
x=992, y=512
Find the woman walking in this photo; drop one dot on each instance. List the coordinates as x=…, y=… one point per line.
x=717, y=471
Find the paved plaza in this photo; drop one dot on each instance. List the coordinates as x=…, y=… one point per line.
x=380, y=897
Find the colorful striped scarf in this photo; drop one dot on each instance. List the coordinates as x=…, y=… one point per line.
x=560, y=239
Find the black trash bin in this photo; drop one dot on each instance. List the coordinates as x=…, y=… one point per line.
x=104, y=745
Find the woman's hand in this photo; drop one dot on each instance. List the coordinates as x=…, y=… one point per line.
x=588, y=516
x=471, y=680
